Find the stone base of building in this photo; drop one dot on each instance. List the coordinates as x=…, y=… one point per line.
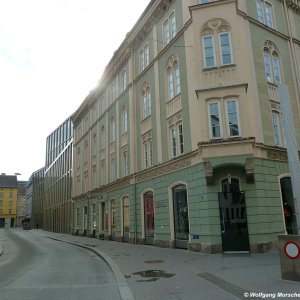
x=264, y=247
x=205, y=248
x=163, y=244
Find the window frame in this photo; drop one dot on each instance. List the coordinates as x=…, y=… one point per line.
x=218, y=102
x=169, y=28
x=237, y=112
x=230, y=48
x=261, y=7
x=204, y=51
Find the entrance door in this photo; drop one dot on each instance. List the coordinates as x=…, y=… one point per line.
x=126, y=219
x=233, y=218
x=149, y=218
x=181, y=217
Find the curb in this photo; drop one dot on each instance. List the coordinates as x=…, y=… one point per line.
x=123, y=286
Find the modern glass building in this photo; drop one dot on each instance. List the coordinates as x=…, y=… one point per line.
x=58, y=179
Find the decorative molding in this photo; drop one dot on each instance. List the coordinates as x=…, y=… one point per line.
x=165, y=169
x=209, y=173
x=277, y=155
x=294, y=4
x=216, y=24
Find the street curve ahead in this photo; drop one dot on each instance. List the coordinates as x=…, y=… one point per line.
x=35, y=267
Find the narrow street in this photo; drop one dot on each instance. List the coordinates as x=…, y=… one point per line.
x=37, y=267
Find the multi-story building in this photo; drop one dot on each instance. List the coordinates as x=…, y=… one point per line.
x=37, y=198
x=21, y=204
x=28, y=205
x=58, y=179
x=8, y=200
x=181, y=143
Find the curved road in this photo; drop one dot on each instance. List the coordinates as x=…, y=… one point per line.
x=35, y=267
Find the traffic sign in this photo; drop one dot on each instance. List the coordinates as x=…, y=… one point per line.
x=291, y=250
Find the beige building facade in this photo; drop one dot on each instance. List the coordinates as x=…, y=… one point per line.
x=181, y=144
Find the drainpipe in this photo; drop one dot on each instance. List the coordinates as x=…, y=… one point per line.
x=135, y=215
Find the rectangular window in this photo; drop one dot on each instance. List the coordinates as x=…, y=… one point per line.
x=181, y=145
x=167, y=32
x=276, y=70
x=177, y=80
x=269, y=16
x=94, y=222
x=142, y=60
x=113, y=169
x=77, y=216
x=1, y=195
x=173, y=142
x=171, y=84
x=1, y=203
x=233, y=124
x=113, y=214
x=225, y=46
x=276, y=129
x=260, y=13
x=147, y=153
x=169, y=28
x=125, y=121
x=124, y=80
x=10, y=203
x=125, y=164
x=267, y=63
x=147, y=57
x=209, y=51
x=1, y=211
x=214, y=120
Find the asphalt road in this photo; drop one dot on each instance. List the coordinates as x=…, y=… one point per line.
x=35, y=267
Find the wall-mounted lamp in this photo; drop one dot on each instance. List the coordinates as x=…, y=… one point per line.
x=229, y=178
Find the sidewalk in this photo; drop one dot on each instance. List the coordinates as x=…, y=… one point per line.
x=159, y=273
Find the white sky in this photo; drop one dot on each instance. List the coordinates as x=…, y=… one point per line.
x=52, y=53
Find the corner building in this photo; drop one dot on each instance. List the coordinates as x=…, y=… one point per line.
x=181, y=143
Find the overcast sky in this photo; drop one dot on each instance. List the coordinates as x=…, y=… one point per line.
x=52, y=53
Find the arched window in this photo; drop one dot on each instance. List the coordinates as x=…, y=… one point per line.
x=277, y=128
x=216, y=39
x=173, y=77
x=146, y=100
x=271, y=62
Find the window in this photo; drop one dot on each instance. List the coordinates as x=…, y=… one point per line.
x=1, y=211
x=271, y=62
x=113, y=214
x=94, y=215
x=10, y=195
x=1, y=195
x=146, y=100
x=176, y=136
x=102, y=105
x=209, y=51
x=125, y=164
x=102, y=173
x=113, y=169
x=112, y=129
x=277, y=128
x=225, y=48
x=205, y=1
x=9, y=211
x=215, y=123
x=102, y=137
x=77, y=216
x=113, y=93
x=216, y=39
x=10, y=203
x=124, y=120
x=173, y=78
x=232, y=116
x=123, y=80
x=147, y=145
x=169, y=27
x=265, y=13
x=144, y=58
x=1, y=203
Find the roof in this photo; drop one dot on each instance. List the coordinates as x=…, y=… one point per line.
x=8, y=181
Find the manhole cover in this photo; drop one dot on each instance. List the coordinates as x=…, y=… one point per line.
x=154, y=273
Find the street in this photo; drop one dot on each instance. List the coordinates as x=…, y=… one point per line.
x=37, y=267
